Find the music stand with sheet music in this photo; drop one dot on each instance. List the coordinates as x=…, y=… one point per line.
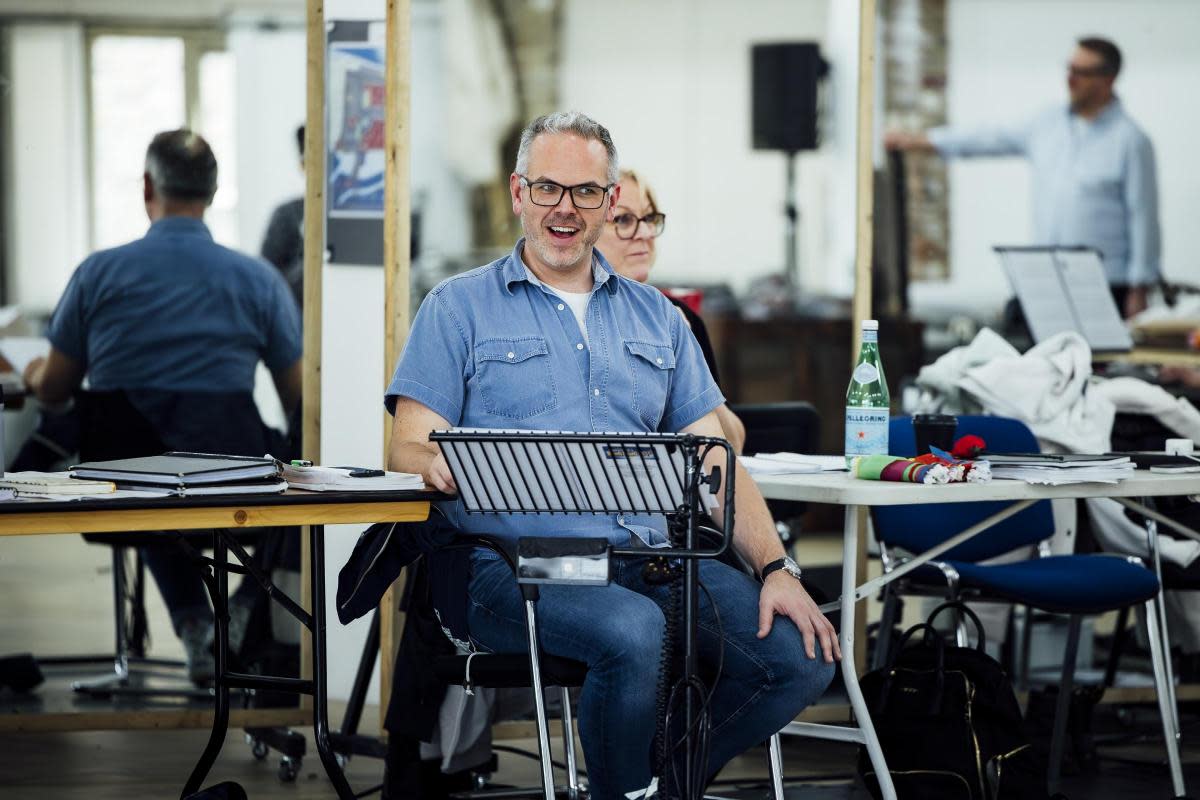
x=551, y=472
x=1066, y=289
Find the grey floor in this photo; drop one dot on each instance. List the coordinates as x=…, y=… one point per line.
x=55, y=598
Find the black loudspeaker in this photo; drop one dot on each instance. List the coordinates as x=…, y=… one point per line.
x=785, y=81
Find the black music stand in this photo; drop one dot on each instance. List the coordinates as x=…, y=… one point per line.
x=535, y=472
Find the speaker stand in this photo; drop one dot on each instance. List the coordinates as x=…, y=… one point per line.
x=791, y=271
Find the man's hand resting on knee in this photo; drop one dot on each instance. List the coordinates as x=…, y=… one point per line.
x=782, y=594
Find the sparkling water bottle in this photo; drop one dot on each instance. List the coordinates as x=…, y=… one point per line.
x=867, y=401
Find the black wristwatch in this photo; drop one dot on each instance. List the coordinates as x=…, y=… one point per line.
x=786, y=564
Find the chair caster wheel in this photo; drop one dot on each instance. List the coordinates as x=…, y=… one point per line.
x=289, y=768
x=259, y=749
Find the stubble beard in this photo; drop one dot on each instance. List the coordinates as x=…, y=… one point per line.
x=553, y=257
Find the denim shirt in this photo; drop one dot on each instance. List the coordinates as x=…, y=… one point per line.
x=1094, y=184
x=494, y=348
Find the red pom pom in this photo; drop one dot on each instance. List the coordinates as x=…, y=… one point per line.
x=968, y=447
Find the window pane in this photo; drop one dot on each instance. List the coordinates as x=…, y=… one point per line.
x=217, y=113
x=137, y=91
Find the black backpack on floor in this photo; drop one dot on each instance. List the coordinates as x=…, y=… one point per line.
x=949, y=723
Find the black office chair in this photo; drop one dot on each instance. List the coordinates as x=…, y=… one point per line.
x=112, y=427
x=786, y=427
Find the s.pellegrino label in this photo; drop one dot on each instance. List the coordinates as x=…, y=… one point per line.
x=868, y=405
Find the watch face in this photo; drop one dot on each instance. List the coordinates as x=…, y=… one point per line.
x=791, y=568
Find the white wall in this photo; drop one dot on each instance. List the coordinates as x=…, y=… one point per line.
x=47, y=217
x=1008, y=59
x=671, y=80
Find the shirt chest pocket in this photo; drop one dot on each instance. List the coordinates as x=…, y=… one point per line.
x=651, y=367
x=514, y=377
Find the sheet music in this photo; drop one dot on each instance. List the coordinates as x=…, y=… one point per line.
x=1066, y=289
x=1087, y=285
x=1034, y=278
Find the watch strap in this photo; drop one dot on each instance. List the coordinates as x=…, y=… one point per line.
x=774, y=566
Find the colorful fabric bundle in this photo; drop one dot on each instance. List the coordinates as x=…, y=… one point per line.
x=960, y=469
x=893, y=468
x=935, y=467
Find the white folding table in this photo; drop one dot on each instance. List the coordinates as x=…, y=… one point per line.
x=838, y=488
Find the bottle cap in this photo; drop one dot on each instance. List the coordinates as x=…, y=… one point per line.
x=870, y=324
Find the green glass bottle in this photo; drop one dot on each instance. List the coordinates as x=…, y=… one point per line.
x=868, y=405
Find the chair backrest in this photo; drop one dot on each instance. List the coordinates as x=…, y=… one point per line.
x=918, y=528
x=788, y=427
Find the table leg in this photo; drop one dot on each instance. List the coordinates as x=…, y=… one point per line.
x=218, y=588
x=849, y=672
x=320, y=666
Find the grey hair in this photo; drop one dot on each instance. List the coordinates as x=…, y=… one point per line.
x=568, y=122
x=182, y=166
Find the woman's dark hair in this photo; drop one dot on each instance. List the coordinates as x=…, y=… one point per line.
x=182, y=166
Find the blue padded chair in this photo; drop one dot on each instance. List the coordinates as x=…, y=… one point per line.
x=1069, y=584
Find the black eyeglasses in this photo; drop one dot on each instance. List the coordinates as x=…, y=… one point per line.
x=585, y=196
x=627, y=224
x=1088, y=72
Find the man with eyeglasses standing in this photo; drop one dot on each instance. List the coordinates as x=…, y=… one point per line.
x=1093, y=170
x=550, y=338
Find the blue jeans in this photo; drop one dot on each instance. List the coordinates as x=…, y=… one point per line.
x=617, y=630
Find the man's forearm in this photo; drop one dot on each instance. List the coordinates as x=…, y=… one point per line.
x=414, y=457
x=754, y=535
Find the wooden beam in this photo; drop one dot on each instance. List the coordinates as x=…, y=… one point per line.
x=864, y=222
x=864, y=206
x=314, y=260
x=397, y=259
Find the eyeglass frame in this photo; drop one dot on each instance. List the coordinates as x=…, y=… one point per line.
x=1099, y=71
x=640, y=221
x=567, y=190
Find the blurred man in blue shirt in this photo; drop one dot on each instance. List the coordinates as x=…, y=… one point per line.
x=177, y=324
x=1093, y=171
x=550, y=338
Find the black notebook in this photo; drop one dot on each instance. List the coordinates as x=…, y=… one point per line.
x=179, y=469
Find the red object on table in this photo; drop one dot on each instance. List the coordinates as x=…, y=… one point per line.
x=692, y=298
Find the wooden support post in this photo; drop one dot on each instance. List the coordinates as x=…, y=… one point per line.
x=865, y=220
x=397, y=258
x=314, y=260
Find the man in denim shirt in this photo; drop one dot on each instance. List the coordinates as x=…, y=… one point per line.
x=550, y=338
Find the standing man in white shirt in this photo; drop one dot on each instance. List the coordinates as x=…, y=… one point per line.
x=1093, y=171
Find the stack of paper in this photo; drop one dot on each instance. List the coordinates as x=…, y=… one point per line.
x=56, y=484
x=1057, y=470
x=791, y=464
x=339, y=479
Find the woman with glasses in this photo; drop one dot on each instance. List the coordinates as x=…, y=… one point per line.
x=627, y=242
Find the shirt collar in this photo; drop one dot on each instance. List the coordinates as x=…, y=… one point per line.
x=179, y=225
x=1110, y=112
x=515, y=270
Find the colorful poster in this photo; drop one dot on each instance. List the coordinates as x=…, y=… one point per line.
x=356, y=158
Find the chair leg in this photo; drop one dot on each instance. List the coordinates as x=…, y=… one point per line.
x=883, y=640
x=1026, y=644
x=1063, y=708
x=1159, y=657
x=569, y=746
x=119, y=677
x=539, y=700
x=775, y=758
x=1120, y=634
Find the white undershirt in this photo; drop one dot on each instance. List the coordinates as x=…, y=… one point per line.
x=578, y=303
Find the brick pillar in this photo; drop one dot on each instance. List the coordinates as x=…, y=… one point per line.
x=914, y=99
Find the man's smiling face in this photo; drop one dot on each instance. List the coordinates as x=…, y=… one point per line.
x=559, y=238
